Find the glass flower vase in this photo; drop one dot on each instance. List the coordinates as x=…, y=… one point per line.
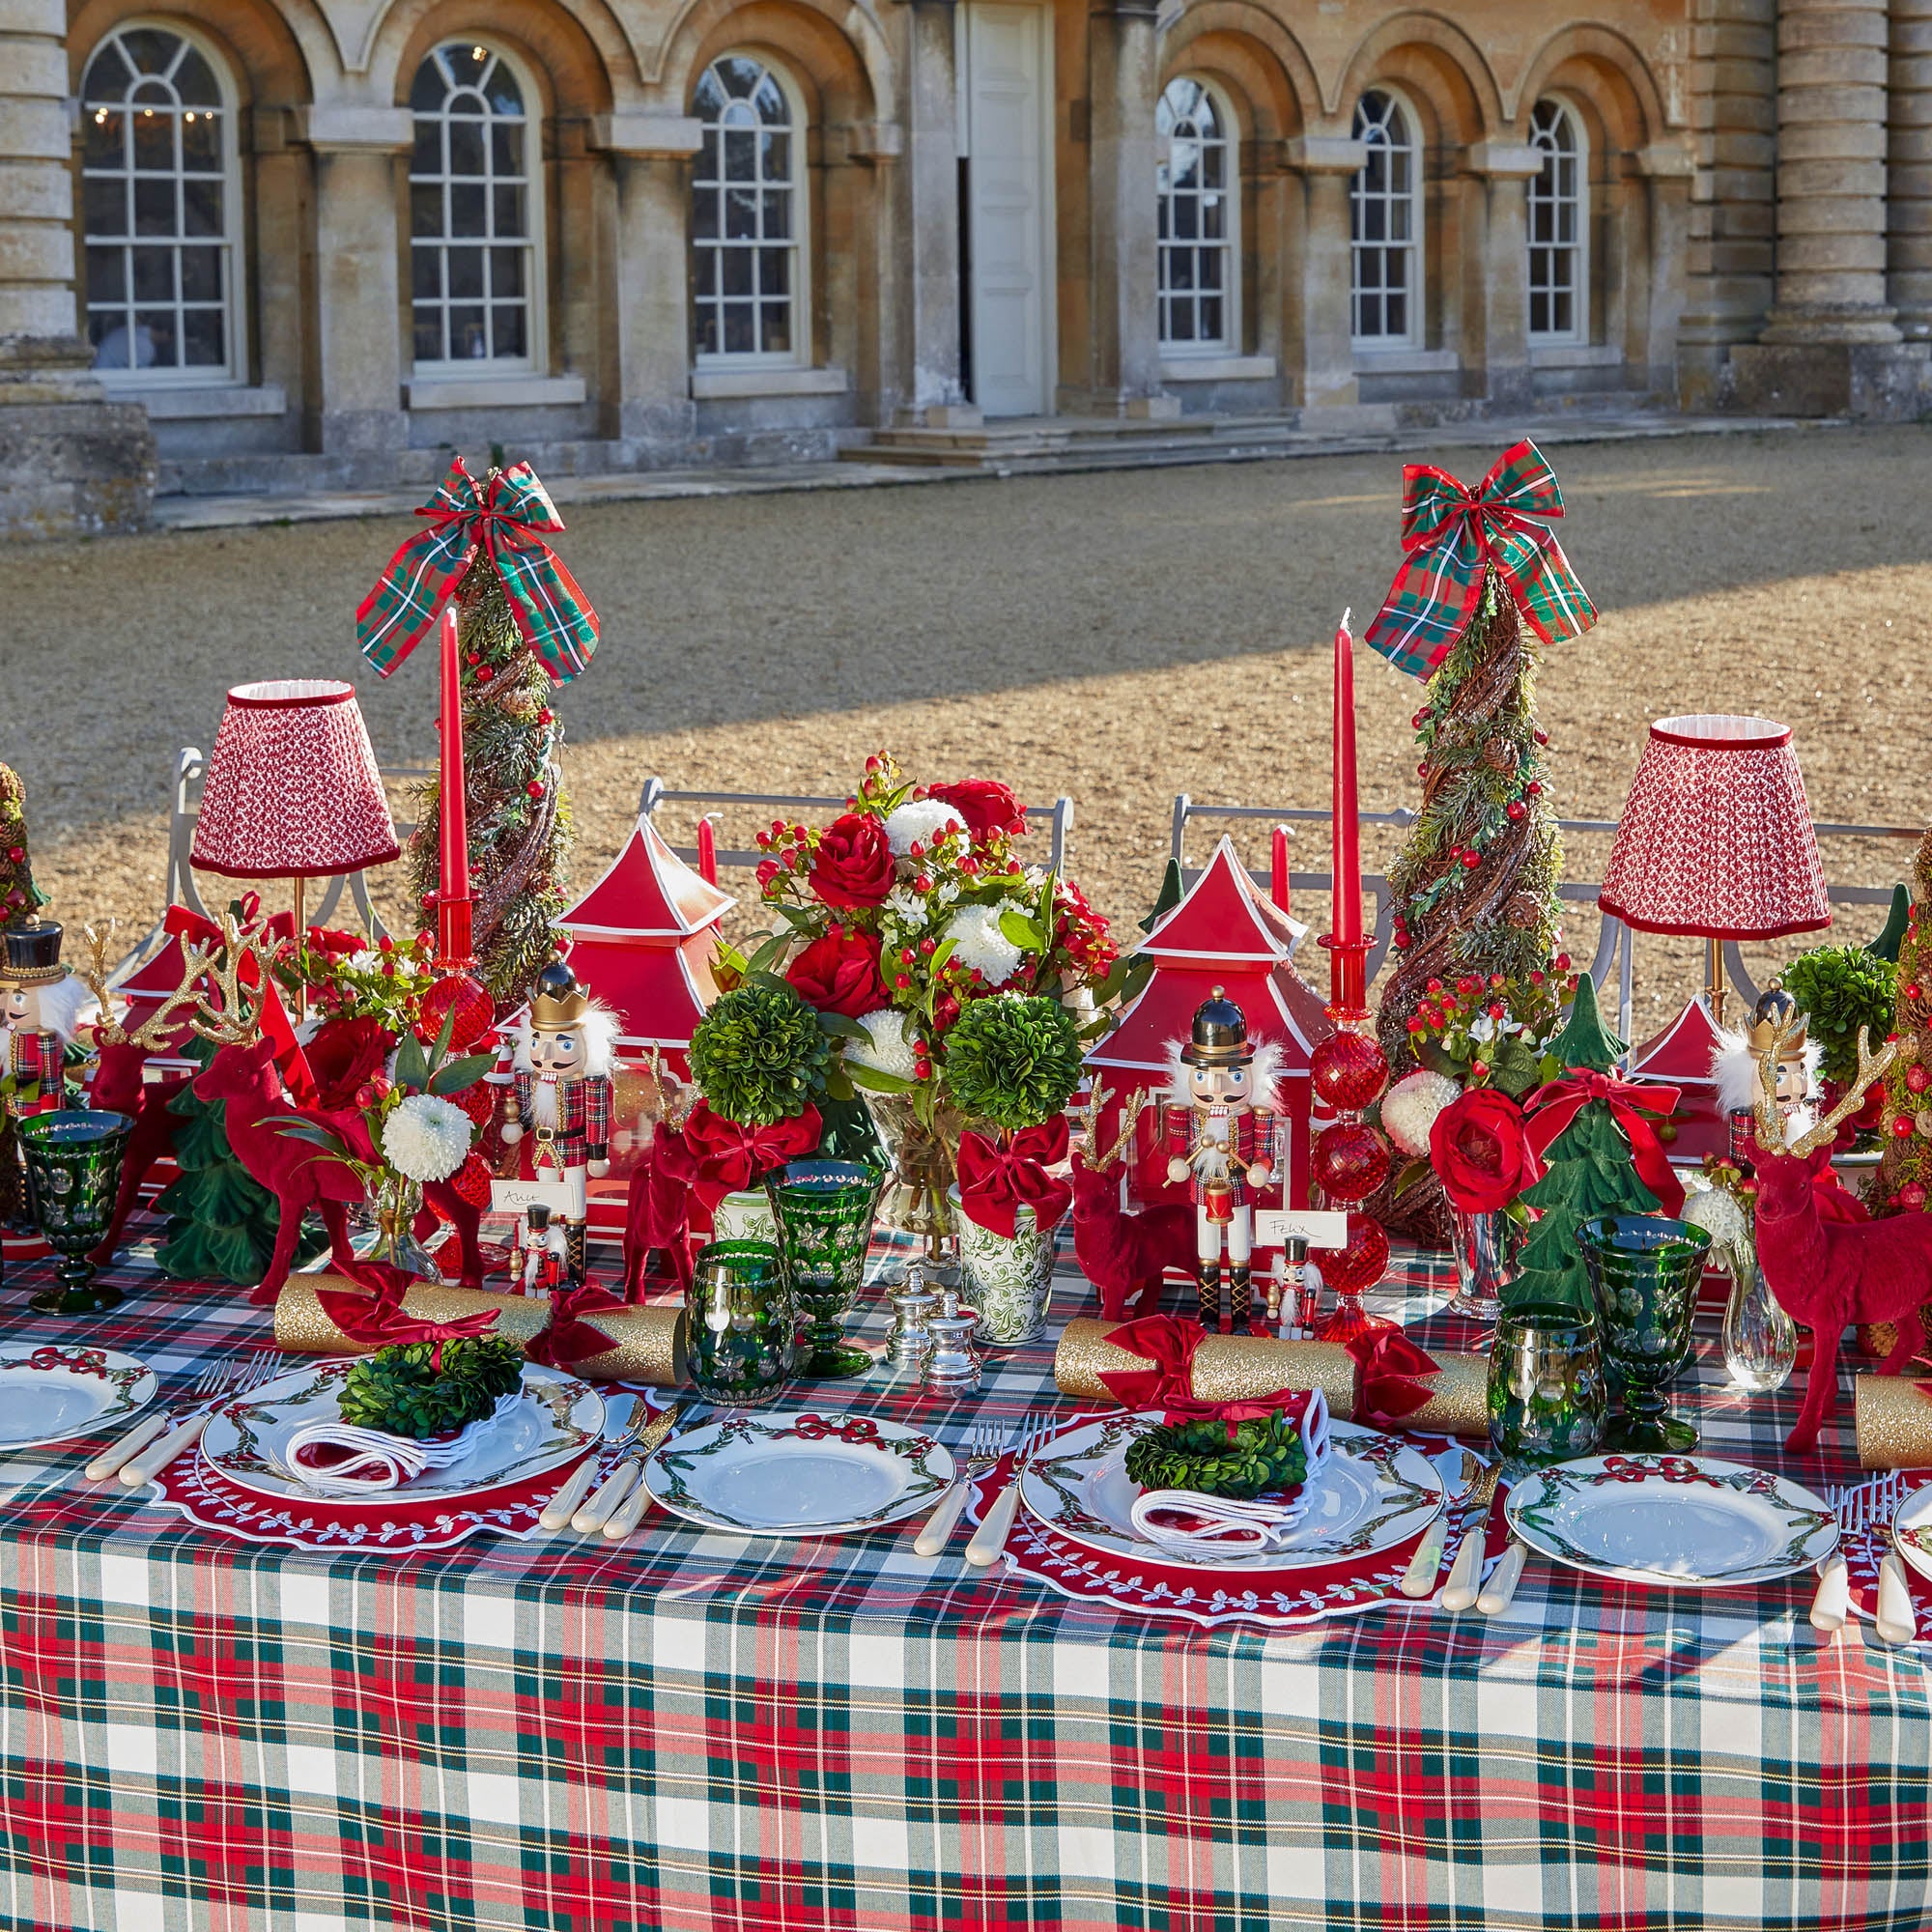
x=923, y=1160
x=1489, y=1249
x=386, y=1233
x=1760, y=1339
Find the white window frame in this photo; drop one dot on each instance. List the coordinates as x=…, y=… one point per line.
x=233, y=257
x=1579, y=247
x=799, y=355
x=536, y=308
x=1412, y=245
x=1229, y=244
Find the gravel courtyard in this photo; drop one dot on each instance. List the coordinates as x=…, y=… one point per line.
x=1117, y=638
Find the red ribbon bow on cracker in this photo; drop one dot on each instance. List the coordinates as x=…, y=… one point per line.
x=1387, y=1365
x=1170, y=1345
x=996, y=1176
x=377, y=1318
x=571, y=1338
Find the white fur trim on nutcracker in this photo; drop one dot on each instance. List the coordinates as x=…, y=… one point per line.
x=600, y=1028
x=61, y=1001
x=1734, y=1067
x=1263, y=1077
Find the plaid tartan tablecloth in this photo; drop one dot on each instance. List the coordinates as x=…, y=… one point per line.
x=697, y=1731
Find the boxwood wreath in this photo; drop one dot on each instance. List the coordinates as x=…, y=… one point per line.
x=759, y=1055
x=1264, y=1453
x=1012, y=1061
x=421, y=1389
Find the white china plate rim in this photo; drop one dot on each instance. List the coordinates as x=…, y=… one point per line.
x=138, y=1385
x=1915, y=1512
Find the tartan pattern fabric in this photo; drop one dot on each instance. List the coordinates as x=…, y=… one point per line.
x=1451, y=535
x=699, y=1731
x=37, y=1060
x=503, y=520
x=582, y=1129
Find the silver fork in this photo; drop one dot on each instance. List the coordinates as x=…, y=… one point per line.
x=1863, y=1507
x=990, y=1538
x=152, y=1456
x=985, y=1444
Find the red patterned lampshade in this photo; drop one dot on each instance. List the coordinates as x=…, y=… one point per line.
x=293, y=791
x=1716, y=837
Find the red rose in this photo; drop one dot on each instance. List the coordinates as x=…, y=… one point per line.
x=344, y=1055
x=1479, y=1152
x=985, y=805
x=839, y=974
x=853, y=866
x=332, y=941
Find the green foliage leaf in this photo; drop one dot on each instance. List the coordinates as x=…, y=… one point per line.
x=875, y=1081
x=1412, y=1174
x=457, y=1074
x=1013, y=1060
x=1024, y=932
x=411, y=1067
x=760, y=1054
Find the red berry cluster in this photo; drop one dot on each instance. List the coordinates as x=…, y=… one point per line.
x=791, y=843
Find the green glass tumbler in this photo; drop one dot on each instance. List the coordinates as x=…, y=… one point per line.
x=742, y=1324
x=824, y=1209
x=1547, y=1394
x=73, y=1172
x=1645, y=1270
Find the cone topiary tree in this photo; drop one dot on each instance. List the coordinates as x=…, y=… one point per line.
x=1902, y=1181
x=19, y=897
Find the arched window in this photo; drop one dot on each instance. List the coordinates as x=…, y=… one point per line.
x=161, y=209
x=1558, y=299
x=748, y=215
x=1384, y=224
x=476, y=212
x=1198, y=191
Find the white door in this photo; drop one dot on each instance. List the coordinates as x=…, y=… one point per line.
x=1007, y=88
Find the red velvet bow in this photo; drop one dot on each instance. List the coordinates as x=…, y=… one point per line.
x=1387, y=1364
x=570, y=1338
x=1170, y=1344
x=1552, y=1107
x=377, y=1318
x=995, y=1176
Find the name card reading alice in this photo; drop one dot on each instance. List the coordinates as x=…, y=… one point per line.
x=514, y=1197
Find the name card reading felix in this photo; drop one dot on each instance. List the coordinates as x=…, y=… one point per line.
x=1320, y=1228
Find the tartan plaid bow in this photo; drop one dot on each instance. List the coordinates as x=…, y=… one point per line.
x=504, y=517
x=1450, y=536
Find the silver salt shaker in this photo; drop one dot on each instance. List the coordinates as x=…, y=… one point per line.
x=913, y=1308
x=953, y=1368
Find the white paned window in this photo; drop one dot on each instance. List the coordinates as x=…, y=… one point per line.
x=159, y=211
x=474, y=214
x=1198, y=194
x=748, y=217
x=1384, y=225
x=1558, y=303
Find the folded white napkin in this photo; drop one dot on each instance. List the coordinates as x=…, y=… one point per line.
x=340, y=1459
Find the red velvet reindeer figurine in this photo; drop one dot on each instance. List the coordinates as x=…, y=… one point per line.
x=1123, y=1255
x=1825, y=1271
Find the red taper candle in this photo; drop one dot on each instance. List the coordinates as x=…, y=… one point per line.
x=452, y=899
x=707, y=852
x=1278, y=868
x=1346, y=920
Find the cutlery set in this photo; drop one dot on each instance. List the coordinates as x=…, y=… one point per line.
x=1862, y=1507
x=145, y=1451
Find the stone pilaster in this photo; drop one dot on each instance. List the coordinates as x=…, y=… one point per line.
x=929, y=224
x=1907, y=235
x=356, y=405
x=1496, y=315
x=71, y=460
x=1326, y=163
x=1652, y=335
x=653, y=157
x=1124, y=81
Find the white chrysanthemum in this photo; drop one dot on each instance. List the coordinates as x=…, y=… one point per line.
x=919, y=821
x=365, y=960
x=1718, y=1209
x=1410, y=1106
x=978, y=941
x=885, y=1048
x=426, y=1137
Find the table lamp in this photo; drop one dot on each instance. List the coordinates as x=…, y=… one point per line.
x=293, y=791
x=1714, y=842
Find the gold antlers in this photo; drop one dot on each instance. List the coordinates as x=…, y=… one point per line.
x=1770, y=1125
x=154, y=1032
x=1097, y=1096
x=231, y=1018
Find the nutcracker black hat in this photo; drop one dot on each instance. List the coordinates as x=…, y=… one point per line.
x=558, y=1000
x=33, y=955
x=1220, y=1034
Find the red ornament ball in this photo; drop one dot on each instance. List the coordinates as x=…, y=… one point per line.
x=1348, y=1070
x=474, y=1009
x=1471, y=860
x=472, y=1180
x=1913, y=990
x=1350, y=1161
x=1358, y=1267
x=1917, y=1078
x=484, y=673
x=1901, y=1129
x=535, y=789
x=1911, y=1196
x=1514, y=809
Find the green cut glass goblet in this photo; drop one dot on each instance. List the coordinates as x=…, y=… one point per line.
x=73, y=1172
x=741, y=1324
x=1645, y=1271
x=824, y=1211
x=1546, y=1395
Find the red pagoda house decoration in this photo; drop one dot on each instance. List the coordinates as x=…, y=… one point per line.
x=1223, y=932
x=642, y=939
x=1680, y=1057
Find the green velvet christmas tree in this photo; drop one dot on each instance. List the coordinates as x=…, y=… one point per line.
x=221, y=1225
x=1589, y=1167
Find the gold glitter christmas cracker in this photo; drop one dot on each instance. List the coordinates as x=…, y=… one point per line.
x=1894, y=1421
x=1230, y=1367
x=647, y=1342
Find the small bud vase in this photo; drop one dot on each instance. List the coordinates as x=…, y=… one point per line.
x=1760, y=1339
x=1489, y=1247
x=1009, y=1278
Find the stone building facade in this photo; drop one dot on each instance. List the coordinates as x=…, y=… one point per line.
x=288, y=244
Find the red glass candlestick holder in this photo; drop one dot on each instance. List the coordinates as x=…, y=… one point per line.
x=1350, y=1158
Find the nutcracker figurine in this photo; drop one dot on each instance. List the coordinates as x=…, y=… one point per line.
x=1778, y=1026
x=540, y=1258
x=40, y=1004
x=1220, y=1127
x=561, y=1091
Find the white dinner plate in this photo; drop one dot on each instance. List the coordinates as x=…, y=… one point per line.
x=247, y=1436
x=1683, y=1522
x=798, y=1473
x=1912, y=1531
x=52, y=1394
x=1371, y=1492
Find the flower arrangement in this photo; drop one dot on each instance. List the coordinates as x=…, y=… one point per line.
x=351, y=977
x=1493, y=1030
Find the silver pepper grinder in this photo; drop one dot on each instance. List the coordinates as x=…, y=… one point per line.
x=953, y=1368
x=913, y=1309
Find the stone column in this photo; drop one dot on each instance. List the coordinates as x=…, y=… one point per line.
x=356, y=408
x=1732, y=213
x=1830, y=345
x=1495, y=320
x=1667, y=172
x=929, y=224
x=1125, y=82
x=71, y=460
x=1907, y=237
x=1327, y=165
x=653, y=153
